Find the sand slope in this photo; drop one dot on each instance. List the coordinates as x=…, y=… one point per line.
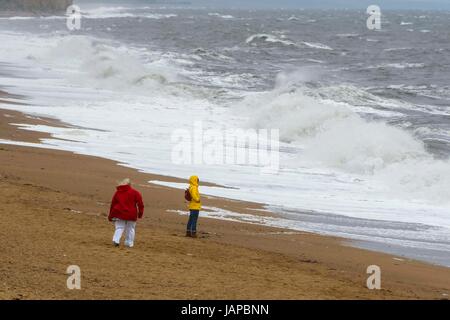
x=53, y=214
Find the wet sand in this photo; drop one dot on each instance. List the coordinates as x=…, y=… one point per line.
x=54, y=208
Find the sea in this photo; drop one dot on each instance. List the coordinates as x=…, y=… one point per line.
x=363, y=115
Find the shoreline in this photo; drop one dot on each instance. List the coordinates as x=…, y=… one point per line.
x=259, y=213
x=323, y=266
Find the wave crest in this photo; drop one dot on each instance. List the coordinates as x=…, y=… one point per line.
x=332, y=135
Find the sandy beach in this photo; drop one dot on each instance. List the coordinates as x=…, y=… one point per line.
x=54, y=208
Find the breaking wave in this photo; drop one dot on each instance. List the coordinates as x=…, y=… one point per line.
x=123, y=12
x=268, y=39
x=333, y=135
x=404, y=65
x=317, y=45
x=223, y=16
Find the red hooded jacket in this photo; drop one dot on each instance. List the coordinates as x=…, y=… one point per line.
x=126, y=204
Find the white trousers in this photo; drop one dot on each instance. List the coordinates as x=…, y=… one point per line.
x=129, y=227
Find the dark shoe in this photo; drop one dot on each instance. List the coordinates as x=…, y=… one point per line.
x=194, y=234
x=115, y=244
x=188, y=234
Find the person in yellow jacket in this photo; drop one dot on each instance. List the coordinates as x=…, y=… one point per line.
x=195, y=206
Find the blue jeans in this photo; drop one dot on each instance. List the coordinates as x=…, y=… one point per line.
x=192, y=222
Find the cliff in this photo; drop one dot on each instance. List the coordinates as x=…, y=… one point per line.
x=34, y=6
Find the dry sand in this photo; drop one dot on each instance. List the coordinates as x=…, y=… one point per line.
x=53, y=214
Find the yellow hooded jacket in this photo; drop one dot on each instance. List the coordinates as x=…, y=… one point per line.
x=195, y=203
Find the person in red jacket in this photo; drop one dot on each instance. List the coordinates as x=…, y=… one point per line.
x=126, y=208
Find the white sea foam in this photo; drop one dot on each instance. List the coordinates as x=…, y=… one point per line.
x=123, y=12
x=397, y=49
x=333, y=160
x=315, y=60
x=223, y=16
x=103, y=13
x=347, y=35
x=272, y=39
x=268, y=38
x=404, y=65
x=408, y=238
x=34, y=18
x=317, y=45
x=17, y=18
x=333, y=135
x=105, y=66
x=160, y=16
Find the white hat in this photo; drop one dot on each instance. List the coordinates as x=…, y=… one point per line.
x=124, y=182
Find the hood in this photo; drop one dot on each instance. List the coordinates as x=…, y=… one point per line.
x=123, y=188
x=193, y=181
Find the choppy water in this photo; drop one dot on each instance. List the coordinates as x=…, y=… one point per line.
x=364, y=116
